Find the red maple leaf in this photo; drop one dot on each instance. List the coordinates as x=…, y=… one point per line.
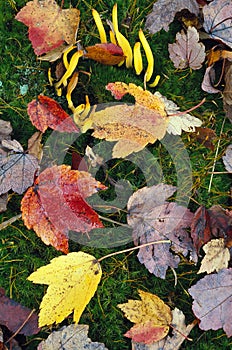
x=46, y=112
x=56, y=204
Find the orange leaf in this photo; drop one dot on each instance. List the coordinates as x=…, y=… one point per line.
x=56, y=204
x=46, y=112
x=109, y=54
x=49, y=26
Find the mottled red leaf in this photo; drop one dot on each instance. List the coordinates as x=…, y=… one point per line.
x=200, y=228
x=218, y=20
x=212, y=303
x=49, y=26
x=78, y=162
x=154, y=219
x=108, y=53
x=46, y=112
x=56, y=204
x=17, y=169
x=13, y=315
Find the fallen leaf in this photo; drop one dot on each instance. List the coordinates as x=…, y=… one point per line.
x=108, y=53
x=55, y=54
x=74, y=336
x=56, y=204
x=49, y=25
x=175, y=339
x=133, y=126
x=151, y=316
x=13, y=315
x=3, y=202
x=218, y=20
x=216, y=256
x=205, y=136
x=212, y=303
x=17, y=169
x=34, y=146
x=187, y=51
x=227, y=159
x=178, y=123
x=164, y=11
x=208, y=81
x=153, y=219
x=72, y=280
x=216, y=54
x=227, y=92
x=46, y=112
x=220, y=222
x=200, y=228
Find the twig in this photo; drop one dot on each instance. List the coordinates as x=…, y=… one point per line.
x=215, y=158
x=134, y=248
x=6, y=223
x=22, y=325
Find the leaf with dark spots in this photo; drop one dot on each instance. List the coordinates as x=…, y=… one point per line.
x=13, y=315
x=46, y=112
x=17, y=169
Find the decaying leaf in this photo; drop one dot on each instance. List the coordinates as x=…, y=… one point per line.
x=164, y=11
x=227, y=159
x=227, y=92
x=212, y=303
x=13, y=315
x=49, y=25
x=153, y=219
x=35, y=147
x=209, y=80
x=108, y=53
x=73, y=337
x=72, y=280
x=46, y=112
x=205, y=136
x=218, y=20
x=56, y=204
x=173, y=341
x=17, y=169
x=217, y=256
x=5, y=131
x=187, y=51
x=220, y=222
x=200, y=228
x=151, y=316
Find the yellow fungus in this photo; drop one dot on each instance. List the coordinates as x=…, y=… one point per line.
x=122, y=41
x=65, y=55
x=100, y=26
x=71, y=86
x=156, y=81
x=85, y=113
x=149, y=55
x=138, y=61
x=50, y=78
x=72, y=66
x=112, y=38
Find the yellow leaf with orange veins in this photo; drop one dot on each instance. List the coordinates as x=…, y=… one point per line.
x=72, y=280
x=151, y=316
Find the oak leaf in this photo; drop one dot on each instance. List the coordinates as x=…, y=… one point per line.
x=217, y=256
x=46, y=112
x=187, y=51
x=153, y=219
x=49, y=25
x=74, y=336
x=13, y=315
x=72, y=281
x=56, y=204
x=218, y=20
x=164, y=11
x=227, y=159
x=212, y=303
x=107, y=53
x=151, y=316
x=17, y=169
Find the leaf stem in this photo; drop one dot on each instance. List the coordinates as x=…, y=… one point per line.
x=134, y=248
x=188, y=110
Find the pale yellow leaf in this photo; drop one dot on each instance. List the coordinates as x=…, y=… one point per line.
x=216, y=257
x=72, y=280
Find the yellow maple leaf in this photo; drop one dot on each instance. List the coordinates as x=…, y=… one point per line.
x=72, y=280
x=151, y=316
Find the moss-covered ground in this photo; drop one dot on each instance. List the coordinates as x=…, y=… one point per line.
x=22, y=78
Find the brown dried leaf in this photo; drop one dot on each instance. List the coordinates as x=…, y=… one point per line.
x=200, y=228
x=187, y=51
x=212, y=303
x=217, y=256
x=227, y=92
x=164, y=11
x=35, y=148
x=205, y=136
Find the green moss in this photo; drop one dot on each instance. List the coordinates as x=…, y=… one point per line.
x=22, y=252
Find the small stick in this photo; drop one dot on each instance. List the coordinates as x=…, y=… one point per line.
x=6, y=223
x=22, y=325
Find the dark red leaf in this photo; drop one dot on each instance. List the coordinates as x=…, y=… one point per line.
x=13, y=315
x=200, y=228
x=46, y=112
